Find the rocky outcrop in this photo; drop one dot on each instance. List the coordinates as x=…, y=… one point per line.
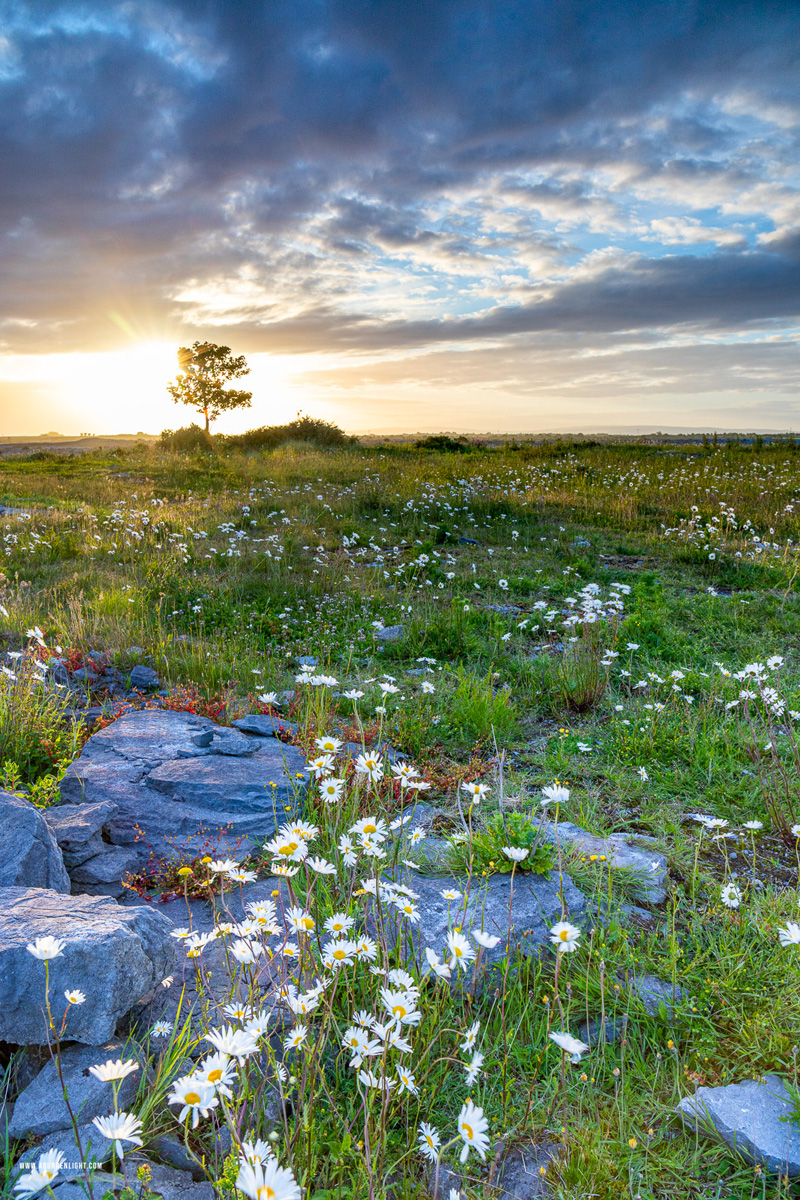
x=181, y=783
x=40, y=1108
x=114, y=955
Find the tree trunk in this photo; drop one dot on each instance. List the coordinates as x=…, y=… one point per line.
x=208, y=428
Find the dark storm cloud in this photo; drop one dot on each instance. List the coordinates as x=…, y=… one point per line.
x=152, y=148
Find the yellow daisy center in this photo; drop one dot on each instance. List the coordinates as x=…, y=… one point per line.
x=192, y=1098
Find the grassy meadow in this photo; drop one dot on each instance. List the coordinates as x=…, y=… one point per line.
x=621, y=620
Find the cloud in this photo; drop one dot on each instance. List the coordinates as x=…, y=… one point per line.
x=352, y=177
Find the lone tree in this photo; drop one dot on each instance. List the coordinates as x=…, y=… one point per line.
x=205, y=369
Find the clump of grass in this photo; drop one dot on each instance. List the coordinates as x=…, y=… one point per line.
x=38, y=734
x=482, y=852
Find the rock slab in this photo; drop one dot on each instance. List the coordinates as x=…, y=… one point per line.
x=647, y=867
x=111, y=953
x=751, y=1118
x=521, y=920
x=174, y=796
x=29, y=853
x=40, y=1108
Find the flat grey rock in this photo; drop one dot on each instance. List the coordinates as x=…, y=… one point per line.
x=113, y=954
x=751, y=1118
x=96, y=1150
x=174, y=797
x=175, y=1153
x=102, y=1182
x=535, y=907
x=598, y=1032
x=40, y=1108
x=29, y=853
x=648, y=868
x=264, y=725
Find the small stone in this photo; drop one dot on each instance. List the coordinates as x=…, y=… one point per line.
x=656, y=994
x=106, y=867
x=389, y=633
x=523, y=1172
x=74, y=825
x=598, y=1032
x=753, y=1118
x=265, y=725
x=169, y=1182
x=647, y=868
x=144, y=679
x=175, y=1153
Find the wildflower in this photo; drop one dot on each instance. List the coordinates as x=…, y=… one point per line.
x=790, y=936
x=565, y=937
x=246, y=952
x=110, y=1072
x=295, y=1039
x=118, y=1128
x=46, y=948
x=347, y=850
x=338, y=952
x=451, y=894
x=476, y=790
x=42, y=1175
x=429, y=1141
x=367, y=947
x=267, y=1181
x=754, y=825
x=256, y=1152
x=353, y=694
x=236, y=1043
x=75, y=997
x=161, y=1029
x=328, y=745
x=321, y=866
x=487, y=940
x=470, y=1036
x=795, y=833
x=439, y=968
x=222, y=866
x=572, y=1046
x=554, y=793
x=330, y=789
x=300, y=920
x=370, y=827
x=461, y=953
x=369, y=765
x=427, y=687
x=339, y=923
x=196, y=1095
x=731, y=895
x=282, y=868
x=321, y=766
x=407, y=1081
x=402, y=1006
x=643, y=774
x=218, y=1070
x=472, y=1125
x=361, y=1045
x=516, y=853
x=473, y=1067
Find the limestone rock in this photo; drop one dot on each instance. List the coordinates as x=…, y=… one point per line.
x=647, y=867
x=145, y=679
x=169, y=1183
x=40, y=1109
x=113, y=954
x=96, y=1151
x=173, y=796
x=389, y=634
x=29, y=853
x=534, y=908
x=748, y=1117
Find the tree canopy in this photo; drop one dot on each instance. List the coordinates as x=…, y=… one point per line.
x=205, y=369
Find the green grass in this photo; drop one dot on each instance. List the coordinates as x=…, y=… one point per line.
x=223, y=569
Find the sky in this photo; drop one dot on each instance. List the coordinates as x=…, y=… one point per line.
x=409, y=214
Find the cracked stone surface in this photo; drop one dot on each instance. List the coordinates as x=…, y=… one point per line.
x=40, y=1108
x=172, y=795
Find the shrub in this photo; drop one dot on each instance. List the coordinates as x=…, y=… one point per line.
x=302, y=429
x=186, y=441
